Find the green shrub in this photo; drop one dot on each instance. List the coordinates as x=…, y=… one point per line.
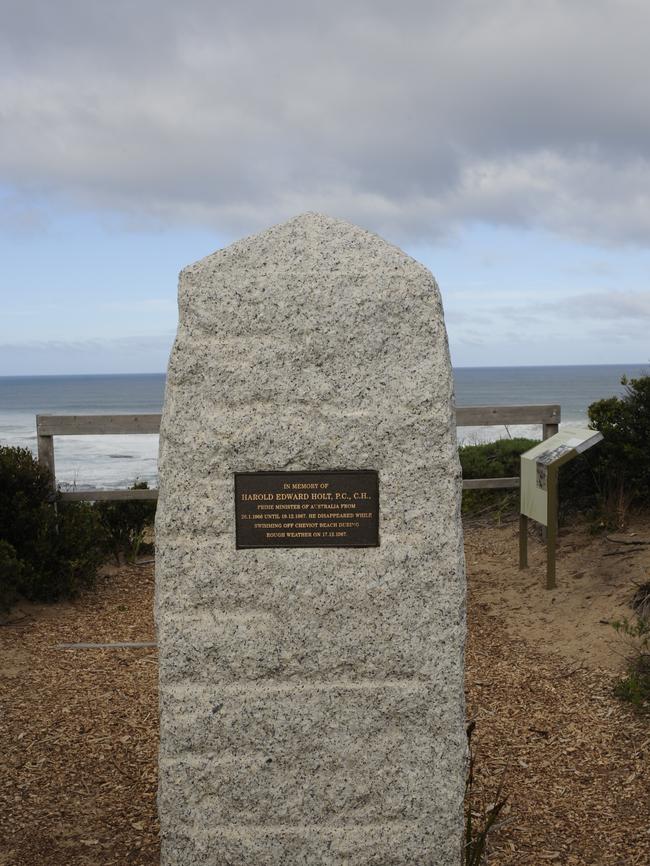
x=577, y=486
x=24, y=493
x=621, y=463
x=125, y=523
x=48, y=552
x=498, y=459
x=12, y=575
x=74, y=548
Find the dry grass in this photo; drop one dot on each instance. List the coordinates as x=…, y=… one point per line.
x=78, y=731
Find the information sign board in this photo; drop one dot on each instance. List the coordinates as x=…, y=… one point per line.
x=539, y=480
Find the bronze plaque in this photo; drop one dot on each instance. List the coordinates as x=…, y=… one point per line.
x=307, y=509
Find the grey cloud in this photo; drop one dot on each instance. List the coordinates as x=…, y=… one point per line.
x=409, y=118
x=610, y=305
x=603, y=317
x=565, y=313
x=145, y=353
x=136, y=344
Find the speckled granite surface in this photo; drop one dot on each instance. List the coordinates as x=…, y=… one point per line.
x=311, y=699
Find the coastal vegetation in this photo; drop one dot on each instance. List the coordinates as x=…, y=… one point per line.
x=620, y=466
x=46, y=553
x=499, y=459
x=125, y=525
x=51, y=550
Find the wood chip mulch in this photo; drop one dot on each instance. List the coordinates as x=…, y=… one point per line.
x=79, y=734
x=571, y=758
x=79, y=731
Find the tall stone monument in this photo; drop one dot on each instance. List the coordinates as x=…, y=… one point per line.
x=310, y=582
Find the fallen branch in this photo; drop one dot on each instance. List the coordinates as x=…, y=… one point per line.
x=121, y=645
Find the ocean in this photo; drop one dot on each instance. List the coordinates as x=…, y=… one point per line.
x=83, y=462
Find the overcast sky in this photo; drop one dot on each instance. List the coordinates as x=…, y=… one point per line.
x=506, y=145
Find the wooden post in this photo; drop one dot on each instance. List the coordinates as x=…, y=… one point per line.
x=523, y=530
x=552, y=519
x=549, y=430
x=523, y=541
x=46, y=455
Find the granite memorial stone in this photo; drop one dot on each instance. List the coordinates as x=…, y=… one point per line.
x=311, y=643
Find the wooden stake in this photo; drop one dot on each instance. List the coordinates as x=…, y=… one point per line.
x=46, y=455
x=523, y=541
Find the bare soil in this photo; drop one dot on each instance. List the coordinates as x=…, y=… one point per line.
x=79, y=728
x=596, y=579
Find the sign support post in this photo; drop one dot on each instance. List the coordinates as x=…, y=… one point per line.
x=523, y=541
x=551, y=527
x=540, y=469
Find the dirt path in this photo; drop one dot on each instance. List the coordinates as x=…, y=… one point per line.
x=78, y=729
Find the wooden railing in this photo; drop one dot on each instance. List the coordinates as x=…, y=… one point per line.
x=49, y=426
x=485, y=416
